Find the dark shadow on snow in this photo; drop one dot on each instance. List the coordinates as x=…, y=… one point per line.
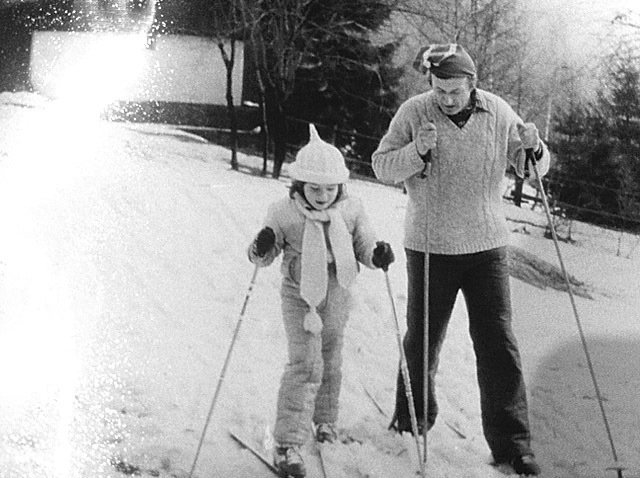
x=567, y=423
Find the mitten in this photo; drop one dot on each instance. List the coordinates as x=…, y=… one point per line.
x=264, y=242
x=382, y=255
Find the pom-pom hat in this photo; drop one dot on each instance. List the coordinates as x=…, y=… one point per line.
x=319, y=162
x=448, y=60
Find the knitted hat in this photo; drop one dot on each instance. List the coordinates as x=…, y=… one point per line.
x=445, y=61
x=319, y=162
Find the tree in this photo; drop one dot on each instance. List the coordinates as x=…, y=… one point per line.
x=278, y=35
x=597, y=146
x=621, y=104
x=491, y=30
x=350, y=88
x=219, y=20
x=307, y=53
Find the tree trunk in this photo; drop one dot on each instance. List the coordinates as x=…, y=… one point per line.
x=231, y=110
x=276, y=120
x=264, y=130
x=279, y=155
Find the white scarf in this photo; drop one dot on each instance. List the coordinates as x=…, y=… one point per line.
x=314, y=276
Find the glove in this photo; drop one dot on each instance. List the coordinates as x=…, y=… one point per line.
x=264, y=242
x=382, y=255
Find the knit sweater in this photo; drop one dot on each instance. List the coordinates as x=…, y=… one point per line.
x=460, y=199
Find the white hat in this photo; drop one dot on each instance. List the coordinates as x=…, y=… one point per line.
x=319, y=162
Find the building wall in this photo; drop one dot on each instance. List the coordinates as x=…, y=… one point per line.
x=180, y=69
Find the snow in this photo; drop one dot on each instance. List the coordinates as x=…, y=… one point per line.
x=123, y=273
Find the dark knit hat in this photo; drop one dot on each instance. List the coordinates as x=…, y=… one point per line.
x=446, y=60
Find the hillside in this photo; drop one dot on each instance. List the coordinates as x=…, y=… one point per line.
x=122, y=276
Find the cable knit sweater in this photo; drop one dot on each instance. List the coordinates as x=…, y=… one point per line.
x=460, y=200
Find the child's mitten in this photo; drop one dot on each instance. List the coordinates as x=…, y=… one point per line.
x=264, y=242
x=382, y=255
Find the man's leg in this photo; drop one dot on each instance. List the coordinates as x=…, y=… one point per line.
x=502, y=389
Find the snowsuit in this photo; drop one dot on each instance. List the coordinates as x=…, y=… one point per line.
x=460, y=203
x=310, y=385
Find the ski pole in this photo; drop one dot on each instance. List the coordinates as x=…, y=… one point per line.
x=404, y=370
x=530, y=159
x=224, y=369
x=425, y=365
x=425, y=345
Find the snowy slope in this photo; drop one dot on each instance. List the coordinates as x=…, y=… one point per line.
x=122, y=276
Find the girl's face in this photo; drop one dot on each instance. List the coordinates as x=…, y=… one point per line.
x=320, y=196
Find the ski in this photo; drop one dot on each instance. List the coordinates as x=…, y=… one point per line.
x=256, y=453
x=374, y=401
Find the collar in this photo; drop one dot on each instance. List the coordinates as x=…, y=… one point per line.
x=478, y=102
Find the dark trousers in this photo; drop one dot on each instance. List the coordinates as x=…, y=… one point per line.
x=484, y=280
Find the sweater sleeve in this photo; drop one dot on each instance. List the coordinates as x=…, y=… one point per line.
x=364, y=239
x=397, y=158
x=272, y=222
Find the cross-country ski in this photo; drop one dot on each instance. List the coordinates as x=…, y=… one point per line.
x=245, y=444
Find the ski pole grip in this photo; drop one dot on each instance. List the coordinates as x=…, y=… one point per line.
x=530, y=158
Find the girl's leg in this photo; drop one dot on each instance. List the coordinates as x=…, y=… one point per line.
x=302, y=375
x=334, y=315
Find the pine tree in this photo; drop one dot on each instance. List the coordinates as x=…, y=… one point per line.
x=597, y=148
x=621, y=104
x=350, y=86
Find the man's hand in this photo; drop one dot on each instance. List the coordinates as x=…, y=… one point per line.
x=426, y=139
x=529, y=136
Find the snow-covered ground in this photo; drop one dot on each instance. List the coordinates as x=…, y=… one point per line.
x=122, y=275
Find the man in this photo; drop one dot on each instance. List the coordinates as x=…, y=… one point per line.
x=451, y=147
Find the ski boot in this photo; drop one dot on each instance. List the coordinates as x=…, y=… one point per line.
x=525, y=465
x=288, y=460
x=326, y=433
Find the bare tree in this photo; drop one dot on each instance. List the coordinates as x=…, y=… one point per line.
x=278, y=35
x=218, y=20
x=491, y=30
x=225, y=17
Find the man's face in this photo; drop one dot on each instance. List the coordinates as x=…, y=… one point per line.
x=452, y=94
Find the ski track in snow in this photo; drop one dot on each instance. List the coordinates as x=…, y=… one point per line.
x=122, y=274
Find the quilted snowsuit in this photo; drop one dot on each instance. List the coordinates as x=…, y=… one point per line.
x=310, y=385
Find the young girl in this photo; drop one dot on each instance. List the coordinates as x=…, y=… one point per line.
x=322, y=233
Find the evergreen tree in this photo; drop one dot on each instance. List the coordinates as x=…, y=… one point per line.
x=597, y=148
x=315, y=60
x=621, y=104
x=350, y=86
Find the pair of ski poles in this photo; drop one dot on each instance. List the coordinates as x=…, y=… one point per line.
x=529, y=160
x=405, y=371
x=234, y=338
